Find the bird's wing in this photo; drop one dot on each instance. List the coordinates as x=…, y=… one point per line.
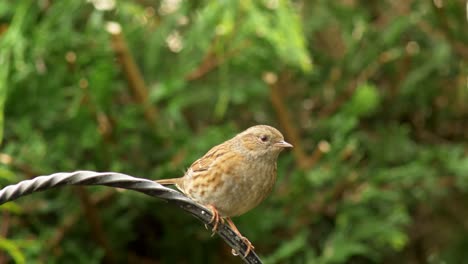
x=206, y=162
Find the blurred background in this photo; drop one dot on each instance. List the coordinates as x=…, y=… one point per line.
x=373, y=95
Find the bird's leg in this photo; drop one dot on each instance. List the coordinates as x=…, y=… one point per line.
x=215, y=219
x=234, y=228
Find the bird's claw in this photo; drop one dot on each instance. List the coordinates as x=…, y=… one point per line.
x=215, y=219
x=250, y=247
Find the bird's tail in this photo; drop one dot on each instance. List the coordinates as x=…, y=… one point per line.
x=173, y=181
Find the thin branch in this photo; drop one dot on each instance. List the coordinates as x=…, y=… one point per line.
x=4, y=228
x=92, y=216
x=132, y=72
x=211, y=61
x=291, y=131
x=8, y=160
x=119, y=180
x=103, y=121
x=384, y=57
x=70, y=220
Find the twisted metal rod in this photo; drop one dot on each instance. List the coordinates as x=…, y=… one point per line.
x=119, y=180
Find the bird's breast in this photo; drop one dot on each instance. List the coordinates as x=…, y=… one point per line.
x=232, y=184
x=247, y=187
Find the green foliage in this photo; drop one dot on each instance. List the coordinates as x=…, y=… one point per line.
x=377, y=93
x=12, y=249
x=364, y=101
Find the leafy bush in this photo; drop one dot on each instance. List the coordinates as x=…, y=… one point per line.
x=372, y=95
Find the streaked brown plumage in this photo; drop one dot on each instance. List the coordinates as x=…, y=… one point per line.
x=235, y=176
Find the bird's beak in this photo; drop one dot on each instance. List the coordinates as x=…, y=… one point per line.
x=283, y=144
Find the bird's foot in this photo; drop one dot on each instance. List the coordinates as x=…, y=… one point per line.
x=215, y=219
x=250, y=247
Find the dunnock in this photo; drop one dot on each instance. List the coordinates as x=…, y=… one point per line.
x=235, y=176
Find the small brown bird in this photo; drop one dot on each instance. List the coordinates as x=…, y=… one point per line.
x=235, y=176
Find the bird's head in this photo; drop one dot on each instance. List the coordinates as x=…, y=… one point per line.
x=262, y=141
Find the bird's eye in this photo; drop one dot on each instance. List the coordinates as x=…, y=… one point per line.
x=264, y=138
